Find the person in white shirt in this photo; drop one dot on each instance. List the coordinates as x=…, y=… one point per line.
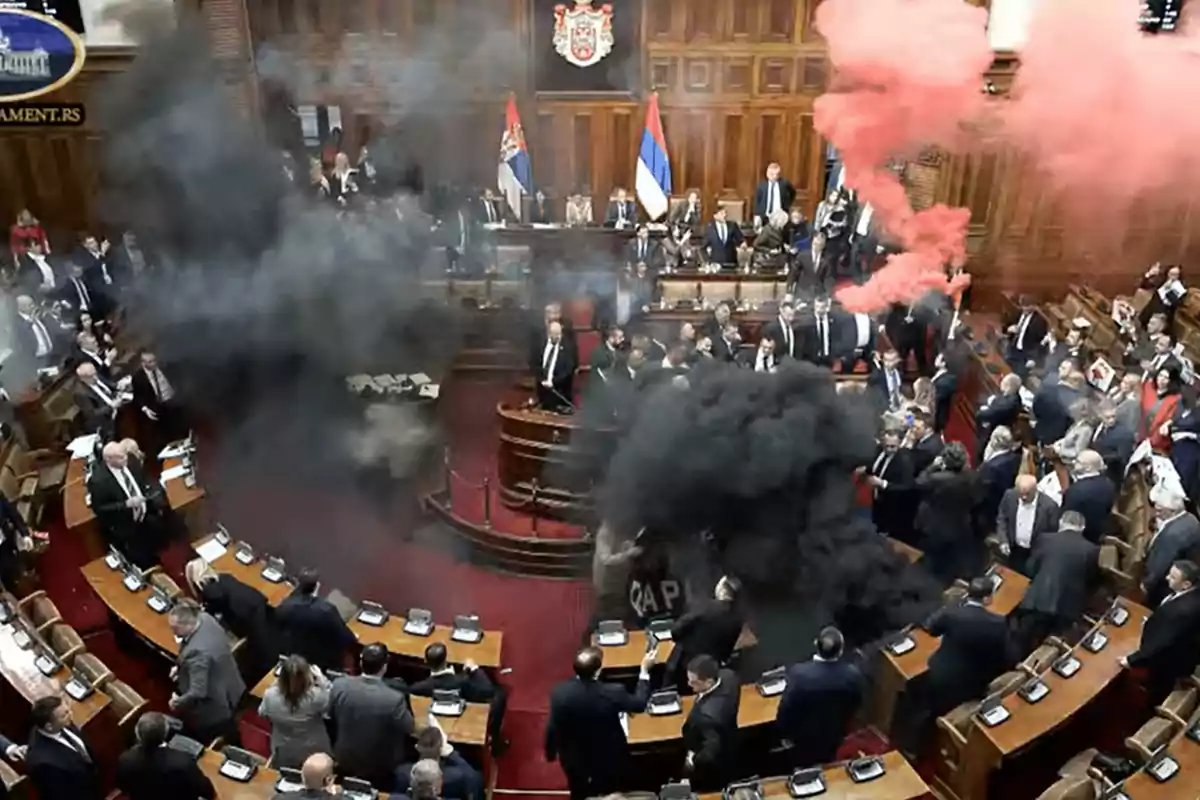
x=35, y=272
x=156, y=401
x=1025, y=514
x=762, y=359
x=90, y=353
x=98, y=401
x=32, y=335
x=59, y=761
x=128, y=509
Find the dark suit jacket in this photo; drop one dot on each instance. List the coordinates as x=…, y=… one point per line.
x=610, y=214
x=682, y=214
x=944, y=386
x=773, y=330
x=723, y=252
x=25, y=340
x=460, y=781
x=892, y=510
x=1171, y=639
x=29, y=276
x=584, y=731
x=1176, y=539
x=925, y=451
x=245, y=611
x=710, y=733
x=816, y=708
x=787, y=194
x=1052, y=412
x=473, y=686
x=1031, y=346
x=313, y=628
x=143, y=393
x=1045, y=518
x=1093, y=497
x=1115, y=446
x=564, y=366
x=712, y=629
x=59, y=772
x=85, y=296
x=975, y=648
x=108, y=500
x=97, y=415
x=653, y=256
x=944, y=514
x=996, y=477
x=1003, y=410
x=1062, y=572
x=811, y=341
x=500, y=211
x=725, y=352
x=373, y=722
x=94, y=267
x=162, y=772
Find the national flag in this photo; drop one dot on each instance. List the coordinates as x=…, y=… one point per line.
x=515, y=174
x=653, y=182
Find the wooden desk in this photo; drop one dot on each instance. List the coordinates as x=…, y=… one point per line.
x=987, y=748
x=80, y=518
x=1185, y=784
x=895, y=671
x=542, y=463
x=260, y=787
x=130, y=607
x=468, y=729
x=18, y=669
x=44, y=412
x=901, y=782
x=629, y=655
x=753, y=710
x=744, y=291
x=486, y=653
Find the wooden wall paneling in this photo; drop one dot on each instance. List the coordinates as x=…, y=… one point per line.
x=730, y=153
x=807, y=11
x=743, y=20
x=658, y=17
x=778, y=19
x=623, y=149
x=701, y=21
x=582, y=172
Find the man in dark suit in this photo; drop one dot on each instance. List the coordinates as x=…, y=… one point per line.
x=823, y=334
x=80, y=296
x=60, y=763
x=821, y=698
x=975, y=649
x=36, y=273
x=710, y=732
x=312, y=627
x=1170, y=642
x=885, y=380
x=472, y=684
x=555, y=370
x=782, y=331
x=493, y=209
x=1001, y=409
x=945, y=384
x=584, y=731
x=710, y=629
x=98, y=269
x=906, y=326
x=1026, y=337
x=997, y=474
x=924, y=442
x=98, y=401
x=1053, y=403
x=128, y=508
x=460, y=781
x=14, y=538
x=773, y=194
x=33, y=339
x=1113, y=441
x=373, y=720
x=155, y=399
x=1164, y=358
x=150, y=771
x=1177, y=536
x=891, y=480
x=722, y=239
x=459, y=233
x=1062, y=572
x=687, y=213
x=606, y=356
x=208, y=684
x=1091, y=493
x=728, y=344
x=621, y=212
x=644, y=250
x=1025, y=514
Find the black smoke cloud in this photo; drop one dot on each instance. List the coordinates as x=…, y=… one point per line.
x=752, y=473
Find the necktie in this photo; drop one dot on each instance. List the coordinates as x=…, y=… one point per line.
x=787, y=337
x=721, y=231
x=74, y=744
x=821, y=333
x=153, y=373
x=773, y=202
x=551, y=354
x=1098, y=434
x=103, y=391
x=491, y=212
x=882, y=463
x=84, y=300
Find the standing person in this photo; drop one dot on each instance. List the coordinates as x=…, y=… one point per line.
x=312, y=627
x=948, y=490
x=151, y=771
x=1025, y=514
x=1171, y=636
x=710, y=629
x=710, y=731
x=60, y=762
x=584, y=731
x=1062, y=572
x=208, y=685
x=821, y=698
x=373, y=720
x=295, y=705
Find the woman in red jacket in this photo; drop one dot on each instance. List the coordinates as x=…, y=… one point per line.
x=1160, y=401
x=26, y=228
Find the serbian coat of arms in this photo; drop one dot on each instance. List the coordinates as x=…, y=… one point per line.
x=583, y=35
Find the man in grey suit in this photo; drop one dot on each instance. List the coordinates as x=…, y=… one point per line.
x=373, y=721
x=1062, y=571
x=1177, y=536
x=1025, y=514
x=208, y=686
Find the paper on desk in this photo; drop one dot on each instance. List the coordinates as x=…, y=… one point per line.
x=544, y=226
x=177, y=471
x=429, y=390
x=173, y=450
x=82, y=446
x=211, y=550
x=357, y=383
x=420, y=378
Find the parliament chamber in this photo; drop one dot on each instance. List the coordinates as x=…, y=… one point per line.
x=359, y=463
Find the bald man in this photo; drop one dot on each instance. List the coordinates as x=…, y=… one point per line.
x=1025, y=514
x=128, y=508
x=98, y=401
x=317, y=775
x=1091, y=493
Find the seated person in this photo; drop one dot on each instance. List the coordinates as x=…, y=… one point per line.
x=472, y=684
x=622, y=212
x=770, y=254
x=460, y=781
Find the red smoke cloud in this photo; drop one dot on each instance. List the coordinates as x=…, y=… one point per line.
x=908, y=73
x=1110, y=115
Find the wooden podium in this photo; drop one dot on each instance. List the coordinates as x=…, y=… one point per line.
x=547, y=461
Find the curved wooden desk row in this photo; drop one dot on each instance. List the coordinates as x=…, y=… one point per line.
x=17, y=665
x=1185, y=783
x=986, y=748
x=260, y=787
x=468, y=729
x=131, y=608
x=899, y=782
x=628, y=656
x=753, y=710
x=897, y=670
